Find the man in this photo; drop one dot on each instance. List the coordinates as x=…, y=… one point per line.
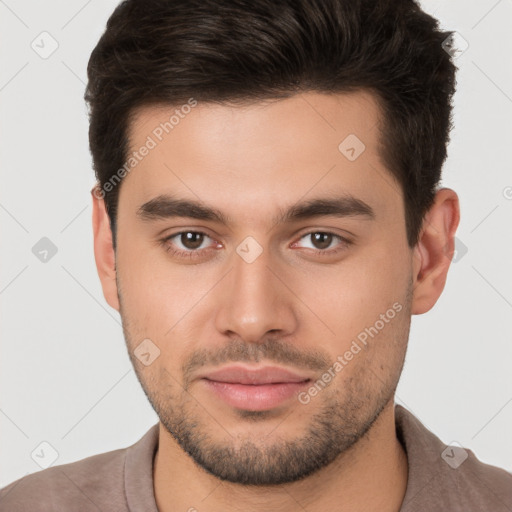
x=267, y=219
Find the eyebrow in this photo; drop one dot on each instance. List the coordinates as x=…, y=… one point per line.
x=166, y=207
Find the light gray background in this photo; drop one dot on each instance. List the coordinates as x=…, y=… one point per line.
x=65, y=374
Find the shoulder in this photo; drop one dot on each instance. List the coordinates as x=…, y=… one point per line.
x=482, y=484
x=445, y=477
x=472, y=485
x=83, y=485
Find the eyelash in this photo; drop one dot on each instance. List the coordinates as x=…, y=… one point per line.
x=193, y=253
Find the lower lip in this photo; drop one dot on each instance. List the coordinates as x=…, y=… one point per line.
x=259, y=397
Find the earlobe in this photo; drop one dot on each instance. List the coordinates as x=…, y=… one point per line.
x=434, y=251
x=103, y=248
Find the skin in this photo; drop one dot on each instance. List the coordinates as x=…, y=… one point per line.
x=291, y=306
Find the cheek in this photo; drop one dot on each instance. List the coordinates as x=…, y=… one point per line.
x=353, y=294
x=147, y=286
x=162, y=303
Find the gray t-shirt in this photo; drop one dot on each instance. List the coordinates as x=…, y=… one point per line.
x=441, y=479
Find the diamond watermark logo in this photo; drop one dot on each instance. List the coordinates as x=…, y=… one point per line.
x=146, y=352
x=44, y=45
x=351, y=147
x=460, y=250
x=44, y=250
x=455, y=45
x=454, y=455
x=44, y=455
x=249, y=249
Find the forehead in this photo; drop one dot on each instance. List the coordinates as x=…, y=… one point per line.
x=253, y=157
x=321, y=115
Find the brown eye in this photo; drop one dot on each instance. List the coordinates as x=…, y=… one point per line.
x=187, y=243
x=321, y=240
x=191, y=239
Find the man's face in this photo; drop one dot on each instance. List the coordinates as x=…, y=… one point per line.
x=302, y=292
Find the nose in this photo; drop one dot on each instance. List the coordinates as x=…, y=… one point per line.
x=254, y=301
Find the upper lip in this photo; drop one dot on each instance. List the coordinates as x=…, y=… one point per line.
x=261, y=375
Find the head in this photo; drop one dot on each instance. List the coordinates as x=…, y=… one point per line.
x=268, y=194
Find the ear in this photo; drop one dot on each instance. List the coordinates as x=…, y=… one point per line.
x=103, y=248
x=434, y=251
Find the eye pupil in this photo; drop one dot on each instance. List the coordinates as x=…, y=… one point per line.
x=324, y=239
x=192, y=240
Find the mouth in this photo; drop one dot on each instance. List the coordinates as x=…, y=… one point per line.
x=255, y=389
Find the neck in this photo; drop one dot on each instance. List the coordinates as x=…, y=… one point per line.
x=371, y=475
